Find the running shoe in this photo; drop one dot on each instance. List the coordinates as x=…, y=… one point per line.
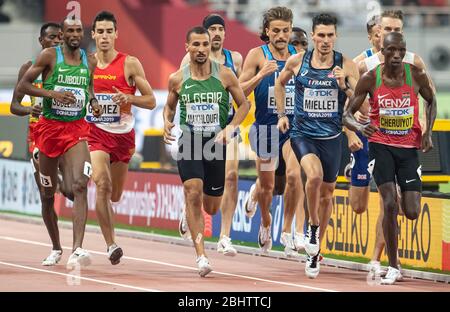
x=225, y=246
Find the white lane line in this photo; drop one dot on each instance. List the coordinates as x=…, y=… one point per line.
x=76, y=277
x=177, y=266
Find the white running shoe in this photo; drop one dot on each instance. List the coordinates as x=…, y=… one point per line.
x=391, y=277
x=288, y=243
x=375, y=269
x=312, y=266
x=299, y=241
x=53, y=258
x=80, y=257
x=183, y=227
x=264, y=238
x=250, y=204
x=225, y=246
x=203, y=266
x=114, y=254
x=312, y=245
x=400, y=276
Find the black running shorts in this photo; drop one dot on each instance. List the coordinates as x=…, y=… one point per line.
x=200, y=158
x=395, y=164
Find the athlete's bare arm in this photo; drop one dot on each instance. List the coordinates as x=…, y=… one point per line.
x=419, y=63
x=362, y=67
x=170, y=108
x=421, y=78
x=96, y=108
x=359, y=58
x=292, y=67
x=45, y=63
x=136, y=74
x=16, y=106
x=354, y=143
x=352, y=73
x=363, y=88
x=231, y=83
x=237, y=62
x=256, y=67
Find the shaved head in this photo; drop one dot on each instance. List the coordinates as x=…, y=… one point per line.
x=71, y=22
x=394, y=38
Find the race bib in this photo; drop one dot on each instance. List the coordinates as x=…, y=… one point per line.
x=203, y=116
x=321, y=103
x=111, y=110
x=69, y=110
x=396, y=121
x=290, y=100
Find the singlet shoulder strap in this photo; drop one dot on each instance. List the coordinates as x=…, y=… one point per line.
x=59, y=55
x=338, y=59
x=215, y=70
x=379, y=78
x=292, y=50
x=186, y=72
x=267, y=53
x=84, y=59
x=229, y=60
x=408, y=74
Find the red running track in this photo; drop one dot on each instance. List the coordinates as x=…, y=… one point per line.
x=156, y=266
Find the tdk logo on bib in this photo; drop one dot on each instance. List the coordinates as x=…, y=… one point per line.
x=104, y=97
x=202, y=107
x=321, y=103
x=73, y=90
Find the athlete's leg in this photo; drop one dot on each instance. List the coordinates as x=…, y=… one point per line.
x=229, y=199
x=101, y=175
x=390, y=226
x=64, y=187
x=78, y=160
x=264, y=188
x=119, y=172
x=314, y=175
x=359, y=198
x=326, y=205
x=294, y=195
x=47, y=179
x=193, y=193
x=379, y=236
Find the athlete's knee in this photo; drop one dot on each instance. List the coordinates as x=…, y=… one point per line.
x=103, y=185
x=79, y=185
x=412, y=212
x=292, y=179
x=231, y=179
x=390, y=206
x=193, y=195
x=357, y=206
x=266, y=186
x=315, y=181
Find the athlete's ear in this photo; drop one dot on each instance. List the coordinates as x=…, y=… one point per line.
x=92, y=34
x=186, y=46
x=116, y=34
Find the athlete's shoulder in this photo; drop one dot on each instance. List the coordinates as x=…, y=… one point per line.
x=418, y=61
x=237, y=57
x=359, y=58
x=256, y=52
x=132, y=60
x=176, y=78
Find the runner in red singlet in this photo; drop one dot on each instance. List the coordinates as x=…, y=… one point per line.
x=395, y=135
x=111, y=139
